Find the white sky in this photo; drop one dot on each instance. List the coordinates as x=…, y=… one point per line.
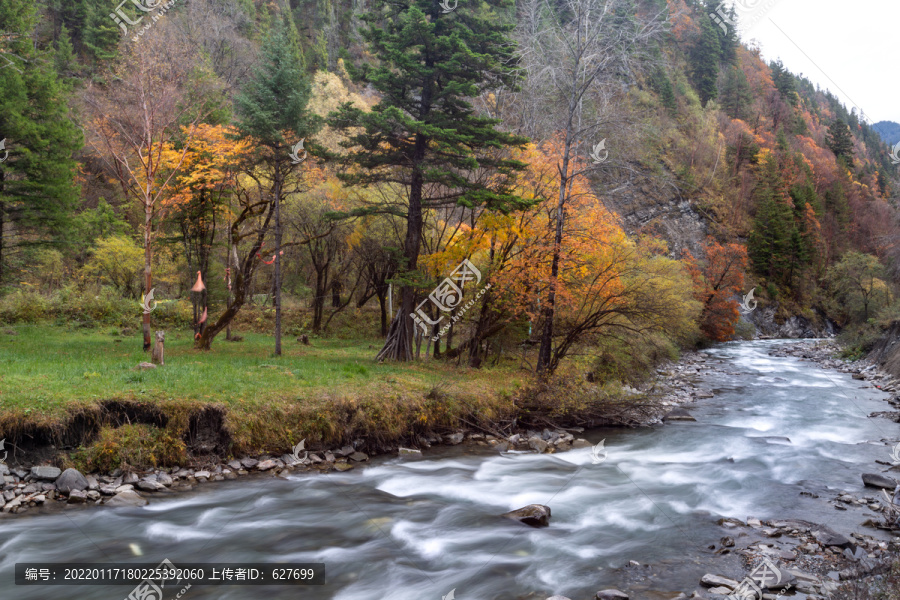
x=847, y=46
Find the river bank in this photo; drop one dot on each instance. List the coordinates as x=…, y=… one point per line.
x=49, y=482
x=799, y=536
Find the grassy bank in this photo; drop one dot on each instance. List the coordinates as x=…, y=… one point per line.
x=76, y=387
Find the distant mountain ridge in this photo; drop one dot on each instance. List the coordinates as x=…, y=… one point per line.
x=888, y=130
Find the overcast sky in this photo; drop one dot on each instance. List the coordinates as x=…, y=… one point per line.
x=851, y=47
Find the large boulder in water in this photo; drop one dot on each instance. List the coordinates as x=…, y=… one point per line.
x=877, y=480
x=536, y=515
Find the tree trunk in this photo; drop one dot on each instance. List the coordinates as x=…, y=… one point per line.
x=336, y=293
x=229, y=273
x=398, y=345
x=382, y=302
x=148, y=255
x=2, y=214
x=549, y=308
x=278, y=264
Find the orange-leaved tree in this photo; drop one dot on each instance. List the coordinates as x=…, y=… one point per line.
x=716, y=282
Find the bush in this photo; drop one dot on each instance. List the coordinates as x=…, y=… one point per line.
x=24, y=306
x=136, y=446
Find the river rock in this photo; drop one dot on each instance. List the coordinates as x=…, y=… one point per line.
x=359, y=456
x=130, y=478
x=77, y=497
x=829, y=537
x=71, y=479
x=409, y=452
x=249, y=463
x=678, y=414
x=45, y=472
x=612, y=594
x=878, y=480
x=723, y=591
x=345, y=451
x=204, y=474
x=127, y=498
x=266, y=465
x=454, y=438
x=558, y=598
x=342, y=466
x=165, y=478
x=235, y=465
x=535, y=515
x=537, y=444
x=581, y=443
x=710, y=580
x=148, y=485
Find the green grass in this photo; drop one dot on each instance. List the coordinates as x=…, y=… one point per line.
x=327, y=391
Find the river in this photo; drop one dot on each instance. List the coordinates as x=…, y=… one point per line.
x=414, y=529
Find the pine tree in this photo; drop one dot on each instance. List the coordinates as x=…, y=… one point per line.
x=769, y=246
x=662, y=85
x=36, y=177
x=424, y=134
x=705, y=56
x=100, y=35
x=840, y=140
x=272, y=110
x=784, y=83
x=736, y=94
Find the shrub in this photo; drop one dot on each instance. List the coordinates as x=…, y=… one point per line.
x=136, y=446
x=25, y=306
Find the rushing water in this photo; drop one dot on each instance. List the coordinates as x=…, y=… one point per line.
x=413, y=529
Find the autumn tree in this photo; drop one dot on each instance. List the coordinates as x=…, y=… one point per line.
x=577, y=54
x=156, y=97
x=718, y=278
x=857, y=280
x=201, y=194
x=424, y=140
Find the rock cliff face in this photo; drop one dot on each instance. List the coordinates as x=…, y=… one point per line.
x=886, y=352
x=794, y=327
x=659, y=211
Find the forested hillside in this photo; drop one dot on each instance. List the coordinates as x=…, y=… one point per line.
x=618, y=173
